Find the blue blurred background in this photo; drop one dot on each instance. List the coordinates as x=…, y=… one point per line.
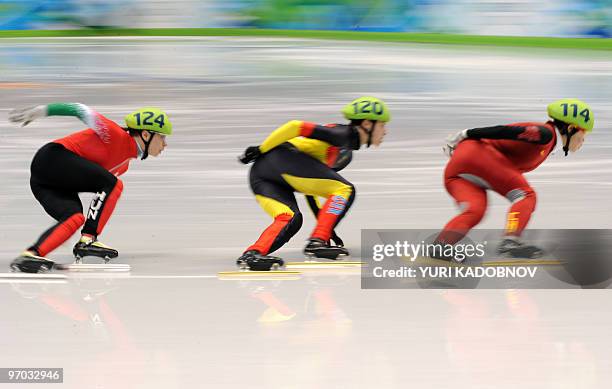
x=487, y=17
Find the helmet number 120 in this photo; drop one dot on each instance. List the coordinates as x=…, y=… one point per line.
x=364, y=107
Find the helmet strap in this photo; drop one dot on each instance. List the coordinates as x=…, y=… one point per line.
x=145, y=153
x=568, y=137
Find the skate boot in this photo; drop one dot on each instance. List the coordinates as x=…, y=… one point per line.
x=90, y=247
x=29, y=262
x=513, y=248
x=317, y=248
x=254, y=260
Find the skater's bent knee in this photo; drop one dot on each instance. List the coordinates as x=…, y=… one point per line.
x=344, y=190
x=118, y=186
x=73, y=219
x=523, y=193
x=111, y=182
x=115, y=190
x=76, y=220
x=293, y=221
x=474, y=212
x=353, y=190
x=296, y=222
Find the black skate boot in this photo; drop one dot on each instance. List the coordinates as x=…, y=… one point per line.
x=255, y=261
x=90, y=247
x=317, y=248
x=515, y=249
x=29, y=262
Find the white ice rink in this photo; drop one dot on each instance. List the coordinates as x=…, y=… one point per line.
x=183, y=217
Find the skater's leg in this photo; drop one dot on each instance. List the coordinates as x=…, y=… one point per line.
x=472, y=200
x=64, y=207
x=103, y=205
x=307, y=175
x=302, y=173
x=58, y=168
x=67, y=210
x=339, y=193
x=278, y=202
x=523, y=199
x=335, y=208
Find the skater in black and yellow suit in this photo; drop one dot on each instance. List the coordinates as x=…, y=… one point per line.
x=300, y=157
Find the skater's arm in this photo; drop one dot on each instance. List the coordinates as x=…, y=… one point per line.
x=87, y=115
x=531, y=134
x=287, y=131
x=334, y=135
x=81, y=111
x=91, y=118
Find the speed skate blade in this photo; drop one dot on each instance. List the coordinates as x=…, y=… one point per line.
x=91, y=267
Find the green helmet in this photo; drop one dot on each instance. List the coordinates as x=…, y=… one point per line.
x=572, y=111
x=149, y=119
x=367, y=107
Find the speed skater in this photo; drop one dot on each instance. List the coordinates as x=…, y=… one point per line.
x=87, y=161
x=300, y=157
x=495, y=158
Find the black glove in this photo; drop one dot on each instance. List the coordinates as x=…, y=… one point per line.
x=250, y=154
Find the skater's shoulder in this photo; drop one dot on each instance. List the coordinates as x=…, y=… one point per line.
x=547, y=125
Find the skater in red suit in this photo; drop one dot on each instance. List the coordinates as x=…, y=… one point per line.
x=495, y=158
x=86, y=161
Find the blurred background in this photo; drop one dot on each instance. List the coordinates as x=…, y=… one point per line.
x=172, y=323
x=575, y=18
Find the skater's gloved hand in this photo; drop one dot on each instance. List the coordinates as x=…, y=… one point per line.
x=336, y=239
x=250, y=154
x=452, y=141
x=26, y=115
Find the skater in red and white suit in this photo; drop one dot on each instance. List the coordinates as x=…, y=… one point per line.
x=495, y=158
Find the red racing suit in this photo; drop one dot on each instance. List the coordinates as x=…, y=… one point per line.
x=495, y=158
x=85, y=161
